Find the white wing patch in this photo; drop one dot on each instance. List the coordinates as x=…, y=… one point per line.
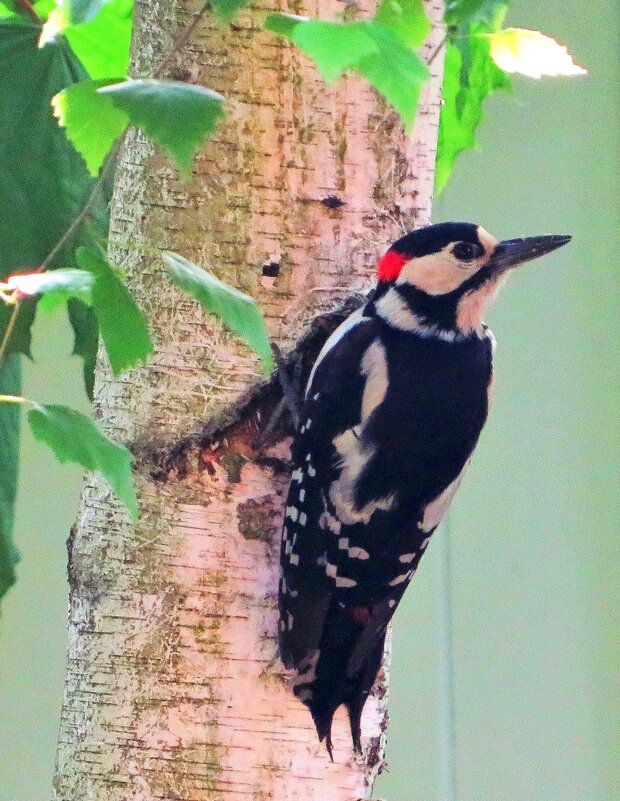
x=353, y=453
x=374, y=367
x=435, y=510
x=354, y=456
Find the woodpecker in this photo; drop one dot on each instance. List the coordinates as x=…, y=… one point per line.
x=392, y=412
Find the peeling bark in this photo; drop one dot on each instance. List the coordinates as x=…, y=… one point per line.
x=173, y=685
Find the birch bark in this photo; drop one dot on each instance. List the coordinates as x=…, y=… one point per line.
x=173, y=687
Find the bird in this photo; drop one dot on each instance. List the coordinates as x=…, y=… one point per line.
x=391, y=415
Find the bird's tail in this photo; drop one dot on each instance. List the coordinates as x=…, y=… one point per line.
x=338, y=673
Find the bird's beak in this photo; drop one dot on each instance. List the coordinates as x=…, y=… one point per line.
x=511, y=252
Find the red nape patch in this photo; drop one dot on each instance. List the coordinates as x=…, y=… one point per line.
x=390, y=265
x=362, y=615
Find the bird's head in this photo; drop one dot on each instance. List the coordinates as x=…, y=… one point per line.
x=439, y=280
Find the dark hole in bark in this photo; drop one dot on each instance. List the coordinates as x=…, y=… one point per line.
x=271, y=269
x=332, y=202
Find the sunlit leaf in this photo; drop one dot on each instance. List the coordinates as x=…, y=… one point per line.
x=91, y=120
x=531, y=53
x=10, y=384
x=178, y=116
x=102, y=45
x=369, y=48
x=237, y=311
x=406, y=18
x=122, y=325
x=55, y=286
x=44, y=8
x=75, y=438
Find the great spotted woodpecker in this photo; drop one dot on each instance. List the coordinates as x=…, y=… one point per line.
x=392, y=413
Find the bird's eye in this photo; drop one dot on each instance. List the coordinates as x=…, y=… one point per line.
x=467, y=251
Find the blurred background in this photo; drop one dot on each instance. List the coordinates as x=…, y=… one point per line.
x=534, y=532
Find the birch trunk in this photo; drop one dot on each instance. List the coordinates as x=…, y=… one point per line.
x=173, y=685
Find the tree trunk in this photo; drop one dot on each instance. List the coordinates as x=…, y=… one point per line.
x=173, y=686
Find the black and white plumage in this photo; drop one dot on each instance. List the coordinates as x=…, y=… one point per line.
x=393, y=410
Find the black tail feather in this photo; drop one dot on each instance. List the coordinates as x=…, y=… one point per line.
x=332, y=684
x=323, y=719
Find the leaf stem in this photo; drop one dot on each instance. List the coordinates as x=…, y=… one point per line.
x=86, y=209
x=13, y=399
x=8, y=332
x=28, y=8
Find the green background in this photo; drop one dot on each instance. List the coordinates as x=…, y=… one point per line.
x=534, y=530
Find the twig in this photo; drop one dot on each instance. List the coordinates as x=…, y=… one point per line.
x=180, y=41
x=8, y=332
x=86, y=208
x=29, y=9
x=437, y=50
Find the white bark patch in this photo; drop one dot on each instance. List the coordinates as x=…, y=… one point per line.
x=435, y=510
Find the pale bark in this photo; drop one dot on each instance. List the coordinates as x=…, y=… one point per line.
x=173, y=687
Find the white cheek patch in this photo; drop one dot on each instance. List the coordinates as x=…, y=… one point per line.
x=437, y=273
x=472, y=306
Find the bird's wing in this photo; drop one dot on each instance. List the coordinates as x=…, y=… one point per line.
x=307, y=541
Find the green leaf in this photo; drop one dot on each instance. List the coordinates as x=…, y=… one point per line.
x=102, y=45
x=463, y=13
x=178, y=116
x=75, y=438
x=405, y=18
x=91, y=120
x=470, y=75
x=10, y=384
x=226, y=9
x=122, y=325
x=369, y=48
x=44, y=8
x=43, y=181
x=237, y=311
x=55, y=286
x=396, y=72
x=85, y=339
